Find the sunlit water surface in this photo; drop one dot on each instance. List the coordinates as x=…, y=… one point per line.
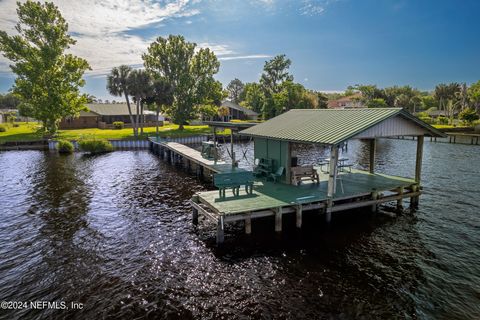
x=114, y=233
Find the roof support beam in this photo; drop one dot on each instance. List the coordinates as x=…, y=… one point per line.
x=332, y=181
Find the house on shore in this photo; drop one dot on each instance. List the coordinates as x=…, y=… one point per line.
x=350, y=102
x=103, y=115
x=237, y=112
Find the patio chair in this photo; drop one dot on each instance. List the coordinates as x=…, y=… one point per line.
x=277, y=174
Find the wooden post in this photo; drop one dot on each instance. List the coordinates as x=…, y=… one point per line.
x=400, y=201
x=414, y=200
x=288, y=166
x=278, y=220
x=220, y=230
x=248, y=224
x=231, y=148
x=299, y=216
x=373, y=146
x=194, y=210
x=194, y=216
x=418, y=164
x=332, y=181
x=215, y=144
x=374, y=197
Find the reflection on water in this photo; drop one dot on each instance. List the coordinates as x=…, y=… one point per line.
x=114, y=232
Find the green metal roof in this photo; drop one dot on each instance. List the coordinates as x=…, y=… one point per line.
x=328, y=126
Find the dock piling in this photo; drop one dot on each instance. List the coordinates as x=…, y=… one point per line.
x=374, y=197
x=278, y=220
x=248, y=224
x=298, y=212
x=400, y=200
x=220, y=230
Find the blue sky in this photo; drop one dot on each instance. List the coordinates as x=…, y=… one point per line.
x=332, y=43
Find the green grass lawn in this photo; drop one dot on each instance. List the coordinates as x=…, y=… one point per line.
x=28, y=132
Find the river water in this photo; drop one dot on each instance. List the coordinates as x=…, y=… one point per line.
x=113, y=233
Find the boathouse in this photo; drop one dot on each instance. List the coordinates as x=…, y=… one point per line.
x=281, y=186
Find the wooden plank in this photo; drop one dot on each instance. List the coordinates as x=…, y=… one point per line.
x=207, y=214
x=360, y=204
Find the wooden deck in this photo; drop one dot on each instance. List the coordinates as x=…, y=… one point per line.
x=354, y=190
x=269, y=195
x=177, y=150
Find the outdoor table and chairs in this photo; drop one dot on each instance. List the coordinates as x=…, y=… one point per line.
x=343, y=166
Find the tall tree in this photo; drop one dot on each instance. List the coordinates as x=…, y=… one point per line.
x=235, y=90
x=48, y=79
x=139, y=85
x=275, y=72
x=474, y=95
x=322, y=100
x=189, y=72
x=254, y=97
x=161, y=95
x=117, y=85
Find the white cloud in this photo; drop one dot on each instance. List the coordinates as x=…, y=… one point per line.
x=102, y=29
x=252, y=56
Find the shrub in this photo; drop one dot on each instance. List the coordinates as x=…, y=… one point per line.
x=442, y=120
x=118, y=125
x=468, y=115
x=426, y=119
x=3, y=129
x=95, y=146
x=65, y=147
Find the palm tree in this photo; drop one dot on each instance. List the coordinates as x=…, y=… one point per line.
x=441, y=95
x=139, y=86
x=117, y=85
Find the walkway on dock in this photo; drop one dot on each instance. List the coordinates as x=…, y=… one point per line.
x=190, y=154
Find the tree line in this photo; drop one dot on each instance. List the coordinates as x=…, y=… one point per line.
x=275, y=92
x=452, y=99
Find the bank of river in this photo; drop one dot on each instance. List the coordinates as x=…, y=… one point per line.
x=113, y=232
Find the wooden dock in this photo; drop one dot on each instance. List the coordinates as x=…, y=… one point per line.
x=192, y=159
x=354, y=190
